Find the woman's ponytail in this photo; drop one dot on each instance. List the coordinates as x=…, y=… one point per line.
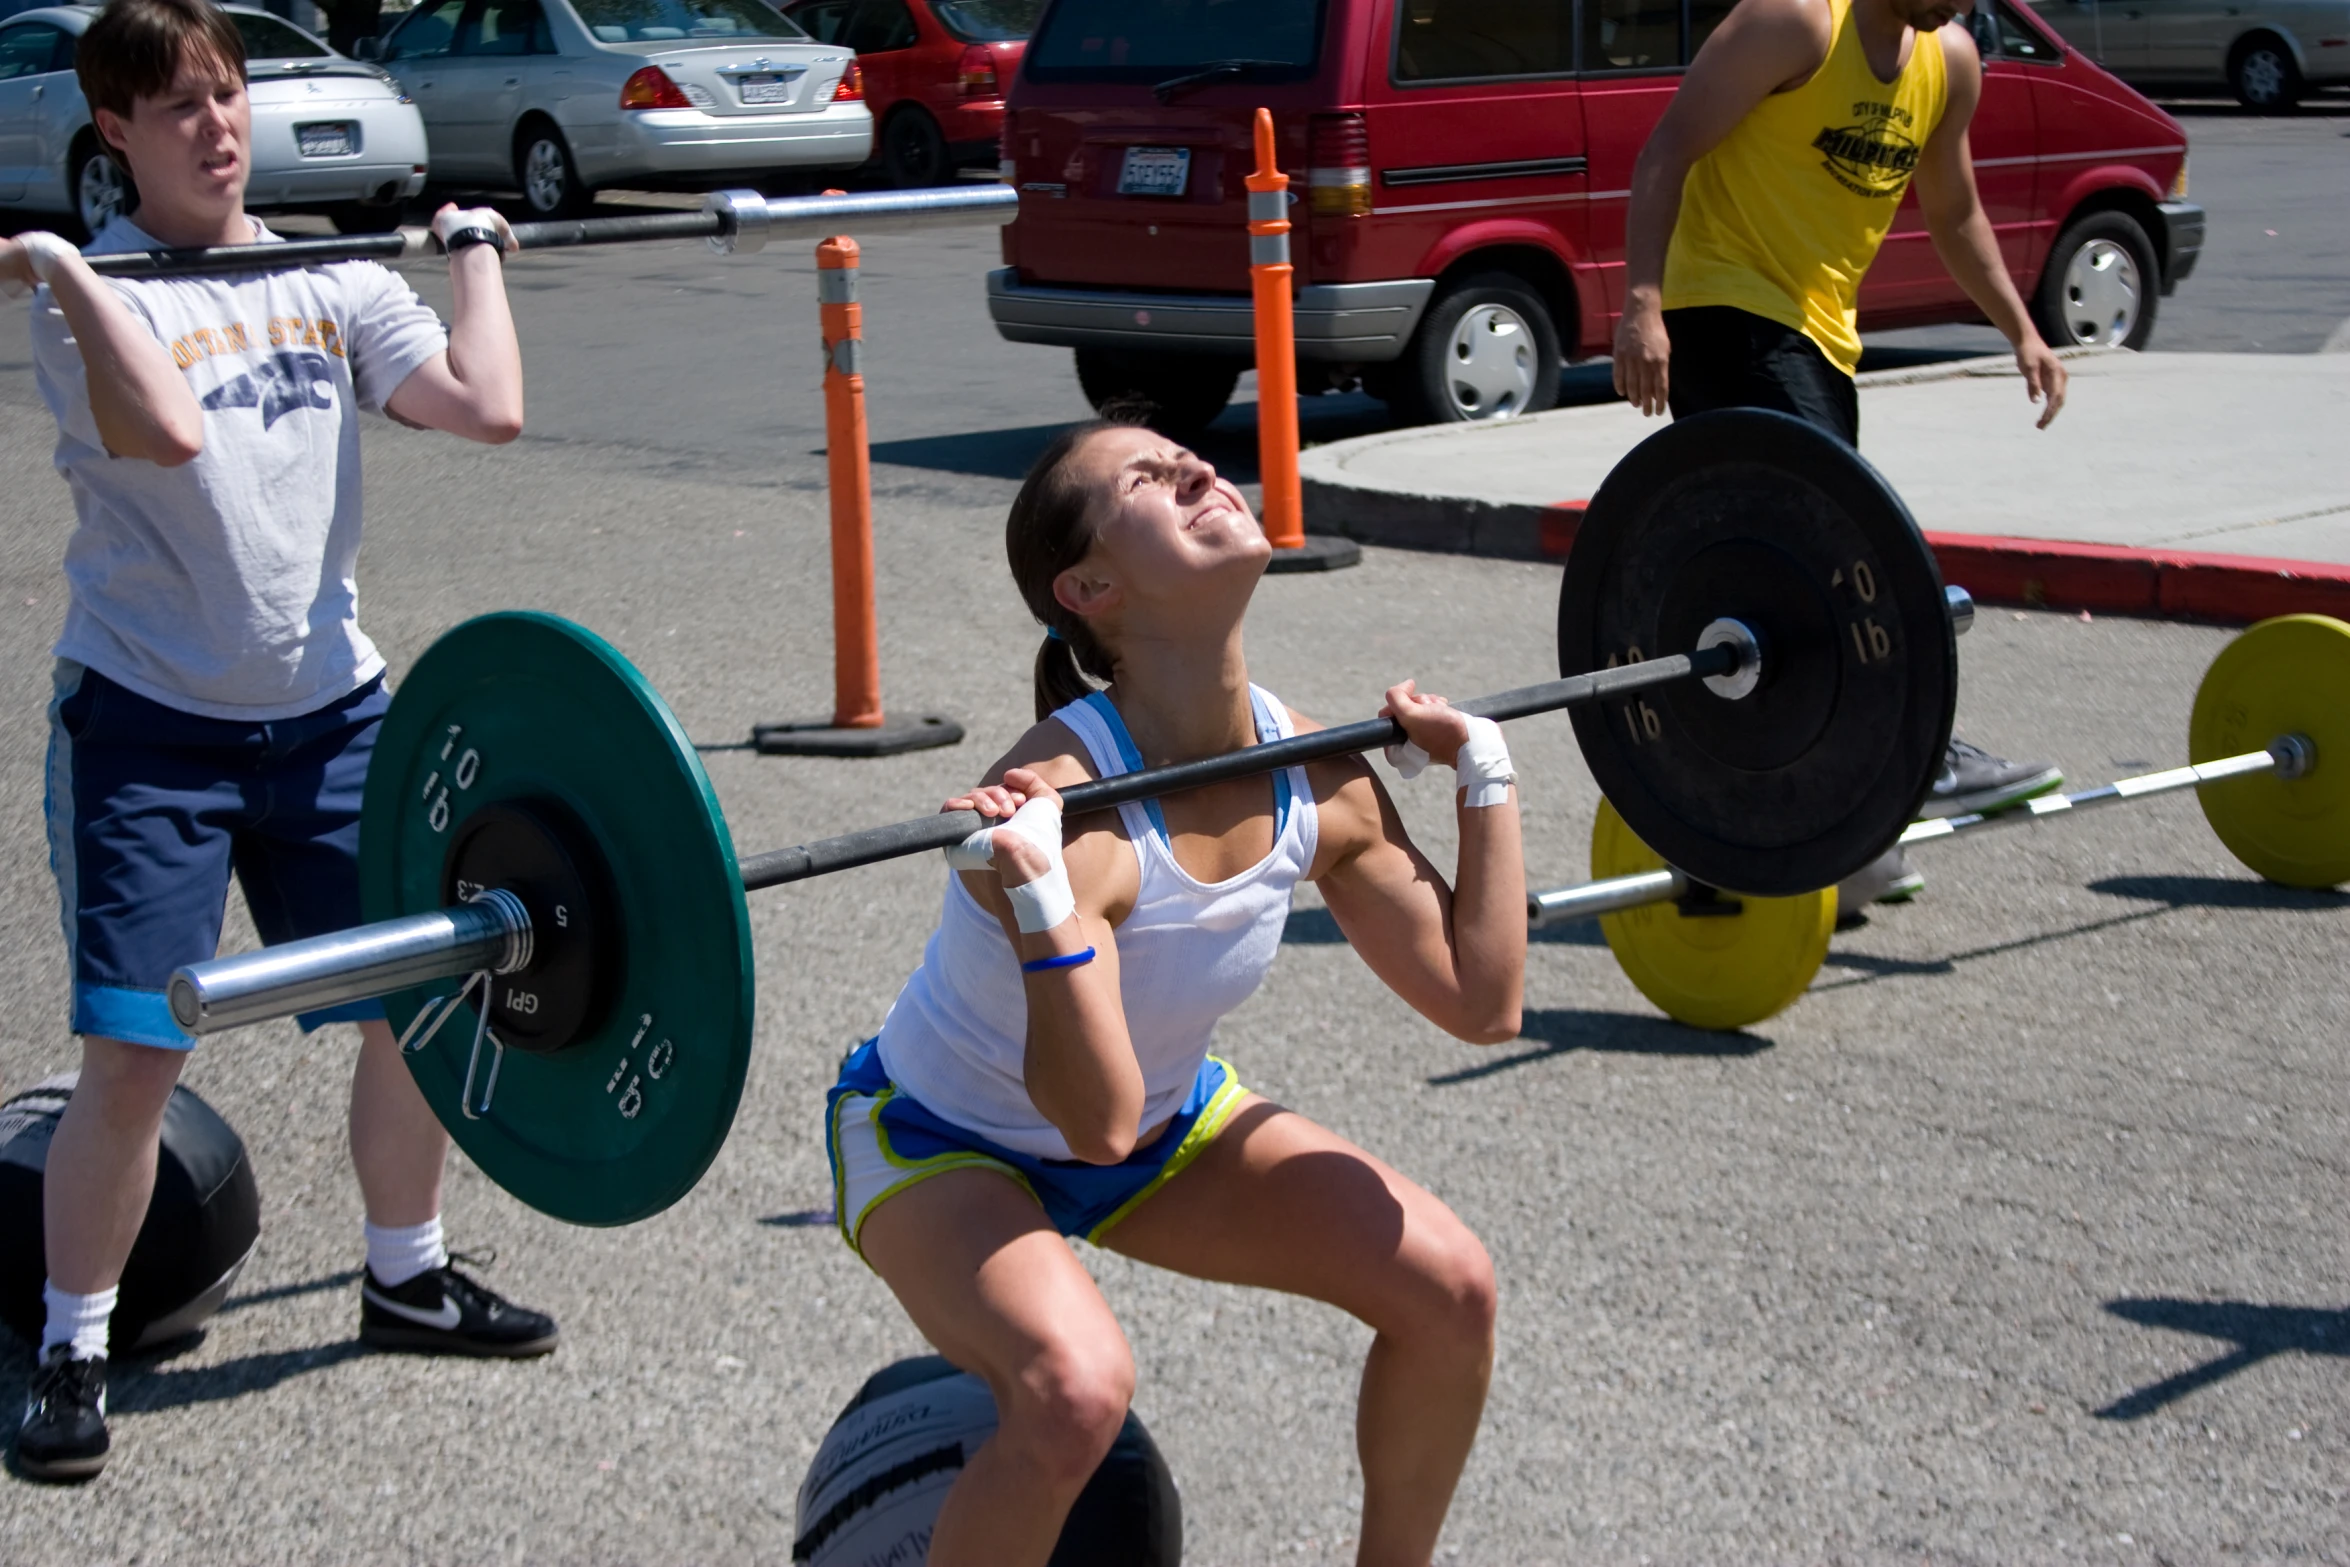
x=1050, y=528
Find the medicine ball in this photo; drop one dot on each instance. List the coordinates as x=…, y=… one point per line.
x=201, y=1223
x=875, y=1487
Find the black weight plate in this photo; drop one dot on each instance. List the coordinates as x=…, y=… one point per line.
x=1758, y=517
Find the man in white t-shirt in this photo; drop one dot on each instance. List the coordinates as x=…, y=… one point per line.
x=216, y=701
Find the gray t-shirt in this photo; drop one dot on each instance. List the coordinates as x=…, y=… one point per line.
x=223, y=587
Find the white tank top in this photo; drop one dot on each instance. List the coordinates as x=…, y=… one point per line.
x=1190, y=951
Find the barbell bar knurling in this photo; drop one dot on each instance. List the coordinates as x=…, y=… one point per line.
x=736, y=219
x=394, y=955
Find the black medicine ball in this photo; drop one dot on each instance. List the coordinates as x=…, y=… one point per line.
x=877, y=1481
x=201, y=1223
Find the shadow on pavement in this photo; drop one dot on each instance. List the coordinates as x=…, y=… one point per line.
x=1559, y=1031
x=2219, y=892
x=331, y=1281
x=2258, y=1332
x=148, y=1382
x=1319, y=928
x=799, y=1219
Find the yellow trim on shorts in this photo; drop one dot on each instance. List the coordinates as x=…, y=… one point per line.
x=1212, y=1117
x=919, y=1170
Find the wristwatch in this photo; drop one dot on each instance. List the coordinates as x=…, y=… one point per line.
x=470, y=235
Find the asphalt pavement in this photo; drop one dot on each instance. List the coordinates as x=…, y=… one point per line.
x=2017, y=1239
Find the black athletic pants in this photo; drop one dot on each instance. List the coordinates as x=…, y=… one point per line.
x=1724, y=357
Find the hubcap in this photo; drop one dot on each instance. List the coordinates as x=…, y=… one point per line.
x=1490, y=364
x=545, y=179
x=2263, y=75
x=2101, y=293
x=100, y=192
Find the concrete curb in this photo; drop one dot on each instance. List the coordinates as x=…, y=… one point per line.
x=2037, y=573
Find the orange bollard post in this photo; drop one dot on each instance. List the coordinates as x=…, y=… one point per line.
x=858, y=726
x=1283, y=511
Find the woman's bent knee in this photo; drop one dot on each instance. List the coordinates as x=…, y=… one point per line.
x=1451, y=1296
x=1067, y=1406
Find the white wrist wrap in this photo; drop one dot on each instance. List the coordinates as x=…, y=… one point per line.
x=42, y=252
x=1483, y=765
x=1036, y=905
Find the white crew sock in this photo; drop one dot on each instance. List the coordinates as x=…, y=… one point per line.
x=396, y=1255
x=78, y=1320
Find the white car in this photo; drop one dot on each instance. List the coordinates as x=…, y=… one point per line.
x=559, y=97
x=2269, y=52
x=328, y=132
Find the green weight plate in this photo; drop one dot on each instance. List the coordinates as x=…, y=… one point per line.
x=528, y=711
x=2285, y=676
x=1757, y=517
x=1710, y=970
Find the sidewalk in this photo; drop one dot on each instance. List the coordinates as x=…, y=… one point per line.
x=2208, y=485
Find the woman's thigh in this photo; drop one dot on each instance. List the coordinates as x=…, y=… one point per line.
x=1277, y=1202
x=986, y=1277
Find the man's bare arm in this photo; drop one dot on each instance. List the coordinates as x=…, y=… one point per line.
x=1762, y=47
x=138, y=397
x=1962, y=233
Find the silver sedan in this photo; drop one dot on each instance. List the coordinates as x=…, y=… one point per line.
x=560, y=97
x=2269, y=52
x=328, y=132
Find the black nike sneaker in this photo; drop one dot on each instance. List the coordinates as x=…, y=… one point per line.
x=442, y=1312
x=64, y=1432
x=1972, y=780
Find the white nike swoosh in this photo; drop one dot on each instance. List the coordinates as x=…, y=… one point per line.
x=446, y=1319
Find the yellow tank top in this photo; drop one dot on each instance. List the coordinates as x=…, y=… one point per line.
x=1785, y=215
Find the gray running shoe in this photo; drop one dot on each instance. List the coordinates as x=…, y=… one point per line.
x=1885, y=879
x=1972, y=780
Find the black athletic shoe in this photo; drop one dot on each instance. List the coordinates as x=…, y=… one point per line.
x=1972, y=779
x=64, y=1432
x=442, y=1312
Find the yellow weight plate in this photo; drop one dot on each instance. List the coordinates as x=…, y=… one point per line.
x=1710, y=971
x=2290, y=675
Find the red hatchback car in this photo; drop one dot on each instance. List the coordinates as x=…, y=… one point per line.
x=1465, y=169
x=935, y=72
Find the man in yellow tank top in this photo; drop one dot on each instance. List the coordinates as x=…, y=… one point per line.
x=1756, y=208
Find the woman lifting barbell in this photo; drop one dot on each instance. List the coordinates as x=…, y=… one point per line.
x=1045, y=1073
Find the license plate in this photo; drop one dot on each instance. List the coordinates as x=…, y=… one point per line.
x=768, y=89
x=323, y=141
x=1154, y=171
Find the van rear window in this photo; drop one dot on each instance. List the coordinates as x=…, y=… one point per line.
x=1121, y=41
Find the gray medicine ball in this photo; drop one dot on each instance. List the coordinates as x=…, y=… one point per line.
x=200, y=1227
x=877, y=1481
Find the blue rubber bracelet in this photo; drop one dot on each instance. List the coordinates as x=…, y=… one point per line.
x=1058, y=960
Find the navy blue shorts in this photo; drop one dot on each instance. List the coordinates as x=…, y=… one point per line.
x=150, y=810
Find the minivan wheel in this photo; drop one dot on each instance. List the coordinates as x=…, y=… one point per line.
x=2264, y=76
x=2100, y=286
x=915, y=149
x=1485, y=350
x=550, y=182
x=1178, y=395
x=101, y=189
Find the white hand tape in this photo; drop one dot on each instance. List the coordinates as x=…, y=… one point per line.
x=1408, y=760
x=446, y=223
x=1483, y=765
x=42, y=252
x=1036, y=905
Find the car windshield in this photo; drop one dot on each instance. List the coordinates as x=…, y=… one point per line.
x=987, y=21
x=1158, y=40
x=267, y=38
x=656, y=21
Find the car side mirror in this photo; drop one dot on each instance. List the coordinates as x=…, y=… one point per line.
x=368, y=48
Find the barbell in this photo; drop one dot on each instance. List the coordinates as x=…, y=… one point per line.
x=733, y=221
x=1754, y=641
x=2273, y=703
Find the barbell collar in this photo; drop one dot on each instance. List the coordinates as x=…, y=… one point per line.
x=742, y=221
x=1961, y=604
x=492, y=932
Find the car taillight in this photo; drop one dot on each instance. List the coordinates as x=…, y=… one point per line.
x=852, y=85
x=975, y=73
x=651, y=88
x=1338, y=166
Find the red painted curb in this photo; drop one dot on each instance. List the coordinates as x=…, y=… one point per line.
x=2045, y=574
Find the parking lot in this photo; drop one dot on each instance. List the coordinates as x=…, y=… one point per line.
x=2018, y=1239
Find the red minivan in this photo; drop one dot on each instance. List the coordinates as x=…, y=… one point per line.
x=1459, y=222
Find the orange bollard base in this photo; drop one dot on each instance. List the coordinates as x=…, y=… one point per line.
x=1320, y=552
x=821, y=737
